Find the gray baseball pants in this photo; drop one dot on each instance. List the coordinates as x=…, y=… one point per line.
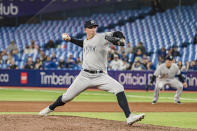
x=174, y=83
x=87, y=80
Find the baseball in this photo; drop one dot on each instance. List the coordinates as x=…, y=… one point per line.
x=122, y=40
x=65, y=36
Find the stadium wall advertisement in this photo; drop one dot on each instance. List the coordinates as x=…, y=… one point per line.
x=63, y=78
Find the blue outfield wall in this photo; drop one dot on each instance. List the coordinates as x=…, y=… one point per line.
x=63, y=78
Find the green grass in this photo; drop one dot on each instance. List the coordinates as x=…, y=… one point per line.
x=173, y=119
x=10, y=94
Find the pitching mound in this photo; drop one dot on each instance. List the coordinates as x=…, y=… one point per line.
x=70, y=123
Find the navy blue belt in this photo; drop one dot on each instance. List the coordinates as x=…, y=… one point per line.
x=93, y=71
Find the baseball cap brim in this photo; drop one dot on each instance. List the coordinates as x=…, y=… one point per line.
x=90, y=23
x=91, y=26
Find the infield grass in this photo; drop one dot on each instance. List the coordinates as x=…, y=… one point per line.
x=174, y=119
x=21, y=94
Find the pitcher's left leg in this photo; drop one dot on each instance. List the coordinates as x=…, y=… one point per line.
x=109, y=84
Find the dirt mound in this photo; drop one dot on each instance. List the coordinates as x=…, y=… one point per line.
x=70, y=123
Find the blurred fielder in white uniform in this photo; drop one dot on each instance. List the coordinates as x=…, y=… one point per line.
x=165, y=74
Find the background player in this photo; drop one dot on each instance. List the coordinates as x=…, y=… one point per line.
x=165, y=75
x=94, y=72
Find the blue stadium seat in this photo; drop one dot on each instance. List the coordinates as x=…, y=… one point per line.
x=172, y=27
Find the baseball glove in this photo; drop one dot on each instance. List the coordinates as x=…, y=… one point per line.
x=118, y=34
x=117, y=38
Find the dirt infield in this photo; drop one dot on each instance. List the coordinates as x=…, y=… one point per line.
x=6, y=106
x=70, y=123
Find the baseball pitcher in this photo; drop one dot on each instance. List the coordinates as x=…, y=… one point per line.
x=94, y=70
x=165, y=75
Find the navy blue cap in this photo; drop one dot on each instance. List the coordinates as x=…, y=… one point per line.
x=90, y=23
x=169, y=58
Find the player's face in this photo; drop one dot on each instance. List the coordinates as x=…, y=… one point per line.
x=168, y=63
x=91, y=31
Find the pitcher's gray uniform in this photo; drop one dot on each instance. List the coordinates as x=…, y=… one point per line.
x=94, y=72
x=94, y=59
x=166, y=76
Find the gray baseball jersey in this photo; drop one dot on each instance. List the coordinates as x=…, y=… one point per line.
x=162, y=72
x=95, y=51
x=166, y=76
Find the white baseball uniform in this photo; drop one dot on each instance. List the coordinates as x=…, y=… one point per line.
x=166, y=76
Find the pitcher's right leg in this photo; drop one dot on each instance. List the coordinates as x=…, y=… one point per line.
x=79, y=85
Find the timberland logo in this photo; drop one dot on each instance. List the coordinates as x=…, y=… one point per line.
x=9, y=10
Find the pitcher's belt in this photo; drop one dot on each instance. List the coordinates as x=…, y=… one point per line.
x=93, y=71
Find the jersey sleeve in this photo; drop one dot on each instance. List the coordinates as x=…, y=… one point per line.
x=158, y=71
x=178, y=72
x=108, y=33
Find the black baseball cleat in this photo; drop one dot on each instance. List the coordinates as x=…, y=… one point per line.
x=154, y=102
x=146, y=88
x=177, y=102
